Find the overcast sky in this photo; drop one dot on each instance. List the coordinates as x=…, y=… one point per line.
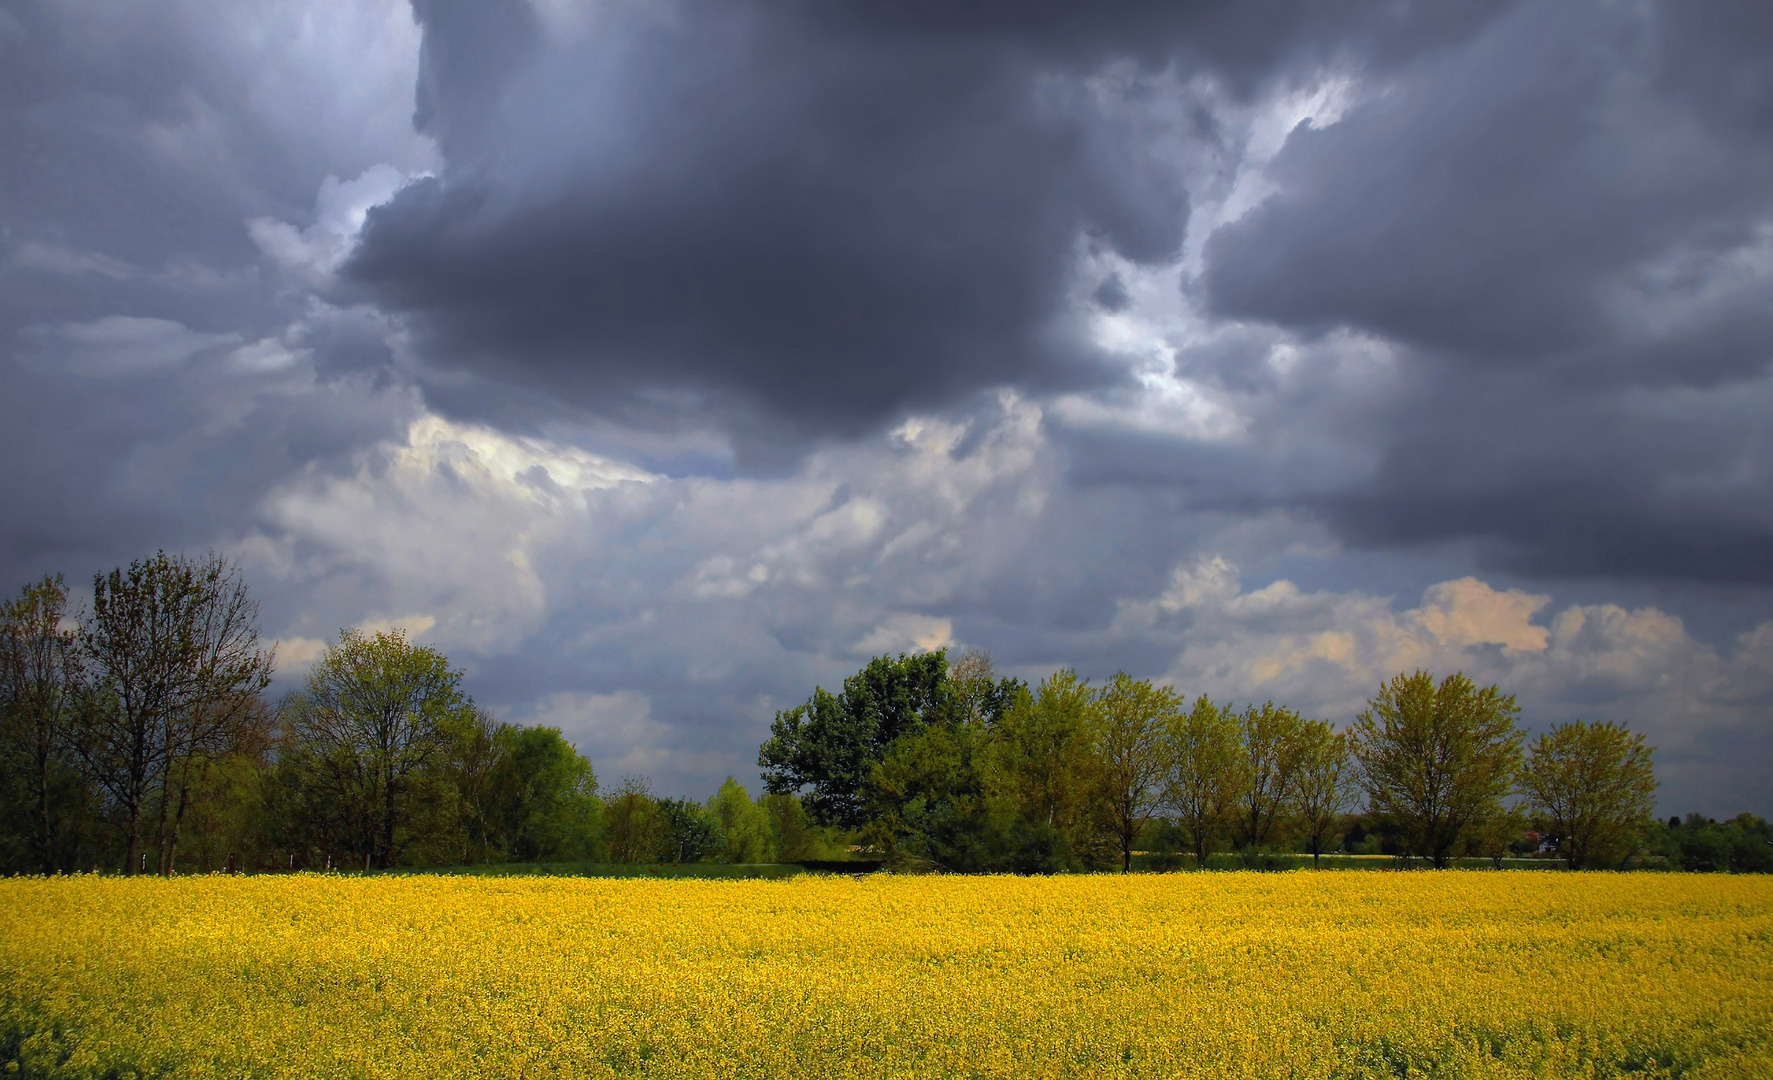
x=661, y=359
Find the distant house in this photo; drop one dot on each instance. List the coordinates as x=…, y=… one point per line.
x=1543, y=843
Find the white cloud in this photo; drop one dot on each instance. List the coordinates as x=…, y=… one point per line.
x=853, y=512
x=1469, y=612
x=684, y=611
x=332, y=81
x=1198, y=378
x=1327, y=652
x=413, y=626
x=298, y=653
x=906, y=633
x=710, y=602
x=1008, y=448
x=1265, y=127
x=449, y=520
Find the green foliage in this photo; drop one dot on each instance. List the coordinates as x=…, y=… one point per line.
x=225, y=815
x=548, y=809
x=46, y=797
x=929, y=803
x=830, y=744
x=706, y=871
x=1025, y=791
x=1741, y=845
x=1273, y=742
x=173, y=664
x=1133, y=719
x=375, y=713
x=1494, y=837
x=795, y=837
x=476, y=763
x=1595, y=787
x=143, y=734
x=641, y=829
x=976, y=696
x=1323, y=782
x=1437, y=760
x=634, y=829
x=692, y=832
x=744, y=826
x=1205, y=777
x=1042, y=771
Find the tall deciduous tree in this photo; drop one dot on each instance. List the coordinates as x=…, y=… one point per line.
x=546, y=792
x=231, y=671
x=226, y=818
x=373, y=714
x=1041, y=767
x=1596, y=786
x=1437, y=760
x=41, y=679
x=172, y=646
x=1132, y=719
x=1203, y=785
x=831, y=744
x=1271, y=738
x=1323, y=783
x=928, y=801
x=477, y=763
x=977, y=696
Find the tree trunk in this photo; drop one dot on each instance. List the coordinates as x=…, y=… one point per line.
x=73, y=855
x=178, y=817
x=387, y=840
x=165, y=797
x=47, y=831
x=178, y=820
x=132, y=853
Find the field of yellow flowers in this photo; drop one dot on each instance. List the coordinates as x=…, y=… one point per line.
x=1301, y=975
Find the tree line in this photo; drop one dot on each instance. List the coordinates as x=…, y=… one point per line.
x=957, y=769
x=136, y=736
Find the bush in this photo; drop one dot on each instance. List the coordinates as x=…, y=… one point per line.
x=1742, y=845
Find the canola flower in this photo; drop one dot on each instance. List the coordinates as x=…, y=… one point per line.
x=1302, y=975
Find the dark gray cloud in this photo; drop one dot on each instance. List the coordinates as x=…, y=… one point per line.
x=1605, y=484
x=1491, y=204
x=1566, y=228
x=823, y=214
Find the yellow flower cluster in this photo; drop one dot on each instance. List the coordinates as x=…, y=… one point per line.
x=1302, y=975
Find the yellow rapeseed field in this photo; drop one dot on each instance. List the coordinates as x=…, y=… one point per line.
x=1301, y=975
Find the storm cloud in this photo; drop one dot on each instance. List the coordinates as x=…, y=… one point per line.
x=661, y=359
x=1566, y=228
x=829, y=214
